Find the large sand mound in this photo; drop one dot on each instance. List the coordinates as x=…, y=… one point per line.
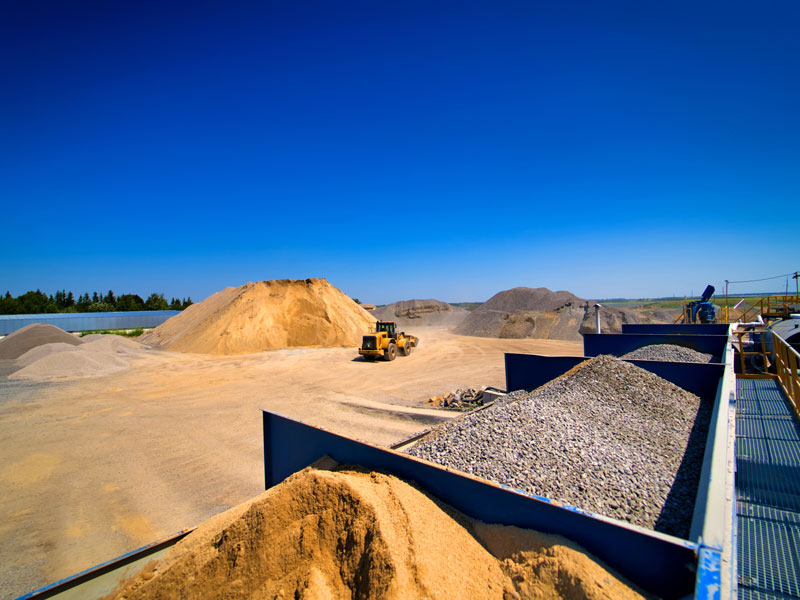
x=421, y=313
x=540, y=313
x=265, y=316
x=30, y=336
x=353, y=534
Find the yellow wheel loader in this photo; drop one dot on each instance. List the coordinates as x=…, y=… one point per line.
x=387, y=342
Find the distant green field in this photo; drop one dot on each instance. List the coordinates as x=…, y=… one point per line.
x=123, y=332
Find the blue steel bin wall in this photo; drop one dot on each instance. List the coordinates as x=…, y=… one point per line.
x=678, y=328
x=530, y=371
x=618, y=344
x=658, y=563
x=88, y=321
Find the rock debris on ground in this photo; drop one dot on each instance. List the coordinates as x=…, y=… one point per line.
x=606, y=437
x=670, y=353
x=461, y=399
x=351, y=533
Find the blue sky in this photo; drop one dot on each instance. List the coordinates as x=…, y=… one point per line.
x=442, y=150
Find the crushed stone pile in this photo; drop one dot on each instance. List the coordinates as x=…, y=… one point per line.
x=266, y=315
x=421, y=313
x=18, y=343
x=606, y=437
x=670, y=353
x=58, y=361
x=358, y=534
x=524, y=312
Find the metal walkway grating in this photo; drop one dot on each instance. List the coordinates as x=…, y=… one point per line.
x=767, y=492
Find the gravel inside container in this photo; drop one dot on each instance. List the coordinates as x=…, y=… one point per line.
x=607, y=437
x=669, y=353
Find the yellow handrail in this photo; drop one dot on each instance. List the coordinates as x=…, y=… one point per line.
x=787, y=361
x=759, y=350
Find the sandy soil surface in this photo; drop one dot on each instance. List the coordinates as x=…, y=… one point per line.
x=96, y=467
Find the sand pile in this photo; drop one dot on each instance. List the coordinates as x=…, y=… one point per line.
x=265, y=316
x=59, y=361
x=30, y=336
x=352, y=534
x=540, y=313
x=421, y=313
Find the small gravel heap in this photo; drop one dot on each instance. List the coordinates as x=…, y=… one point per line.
x=669, y=353
x=607, y=437
x=463, y=399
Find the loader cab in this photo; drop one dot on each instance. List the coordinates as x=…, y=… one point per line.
x=387, y=326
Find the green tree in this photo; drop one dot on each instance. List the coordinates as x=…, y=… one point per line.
x=175, y=304
x=9, y=305
x=129, y=302
x=100, y=307
x=36, y=302
x=187, y=302
x=83, y=303
x=110, y=299
x=156, y=302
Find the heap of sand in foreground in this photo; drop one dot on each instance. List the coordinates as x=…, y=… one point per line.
x=18, y=343
x=358, y=534
x=266, y=315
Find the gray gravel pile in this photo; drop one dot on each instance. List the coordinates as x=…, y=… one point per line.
x=670, y=353
x=607, y=437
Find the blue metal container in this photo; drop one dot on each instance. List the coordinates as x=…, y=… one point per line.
x=677, y=328
x=617, y=344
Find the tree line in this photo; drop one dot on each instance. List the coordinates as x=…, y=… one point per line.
x=66, y=302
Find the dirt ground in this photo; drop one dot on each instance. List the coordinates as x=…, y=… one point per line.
x=93, y=468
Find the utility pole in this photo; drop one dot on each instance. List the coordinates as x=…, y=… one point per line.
x=727, y=317
x=796, y=284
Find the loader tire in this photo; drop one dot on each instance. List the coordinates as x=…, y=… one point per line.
x=390, y=353
x=406, y=350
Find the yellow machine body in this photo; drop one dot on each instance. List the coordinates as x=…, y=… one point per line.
x=387, y=342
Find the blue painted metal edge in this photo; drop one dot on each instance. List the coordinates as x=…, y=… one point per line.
x=657, y=562
x=709, y=574
x=105, y=567
x=708, y=520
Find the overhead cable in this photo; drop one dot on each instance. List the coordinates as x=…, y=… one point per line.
x=765, y=278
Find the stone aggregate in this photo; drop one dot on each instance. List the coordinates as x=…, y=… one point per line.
x=607, y=437
x=670, y=353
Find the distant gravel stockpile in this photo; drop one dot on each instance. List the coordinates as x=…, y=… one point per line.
x=421, y=313
x=607, y=437
x=524, y=312
x=31, y=336
x=670, y=353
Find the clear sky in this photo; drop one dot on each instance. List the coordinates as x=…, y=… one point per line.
x=402, y=150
